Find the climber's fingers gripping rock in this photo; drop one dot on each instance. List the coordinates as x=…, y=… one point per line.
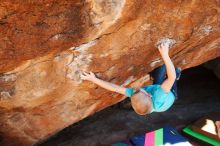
x=164, y=48
x=87, y=76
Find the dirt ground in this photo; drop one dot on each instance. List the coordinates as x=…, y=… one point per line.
x=199, y=95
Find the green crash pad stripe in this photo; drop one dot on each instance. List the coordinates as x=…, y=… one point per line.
x=159, y=137
x=202, y=137
x=120, y=144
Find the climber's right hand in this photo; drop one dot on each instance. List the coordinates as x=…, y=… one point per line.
x=163, y=48
x=87, y=76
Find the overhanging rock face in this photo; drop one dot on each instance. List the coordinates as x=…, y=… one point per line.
x=45, y=44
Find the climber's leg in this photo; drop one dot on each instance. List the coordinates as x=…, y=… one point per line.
x=174, y=87
x=178, y=73
x=159, y=74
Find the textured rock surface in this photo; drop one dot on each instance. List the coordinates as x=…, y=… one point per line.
x=45, y=44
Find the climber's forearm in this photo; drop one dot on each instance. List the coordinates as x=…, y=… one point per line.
x=171, y=73
x=109, y=86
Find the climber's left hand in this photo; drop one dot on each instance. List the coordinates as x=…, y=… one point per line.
x=87, y=76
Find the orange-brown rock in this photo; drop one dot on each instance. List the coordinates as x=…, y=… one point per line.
x=44, y=44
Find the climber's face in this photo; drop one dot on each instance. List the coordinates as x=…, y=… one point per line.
x=141, y=102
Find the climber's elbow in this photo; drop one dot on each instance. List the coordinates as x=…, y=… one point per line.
x=172, y=78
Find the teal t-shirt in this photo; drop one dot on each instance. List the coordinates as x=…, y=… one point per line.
x=161, y=100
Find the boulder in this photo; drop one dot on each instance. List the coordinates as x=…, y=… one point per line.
x=45, y=44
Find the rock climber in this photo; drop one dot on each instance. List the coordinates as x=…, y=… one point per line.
x=158, y=97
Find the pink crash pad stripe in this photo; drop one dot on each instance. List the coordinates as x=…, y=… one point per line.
x=149, y=139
